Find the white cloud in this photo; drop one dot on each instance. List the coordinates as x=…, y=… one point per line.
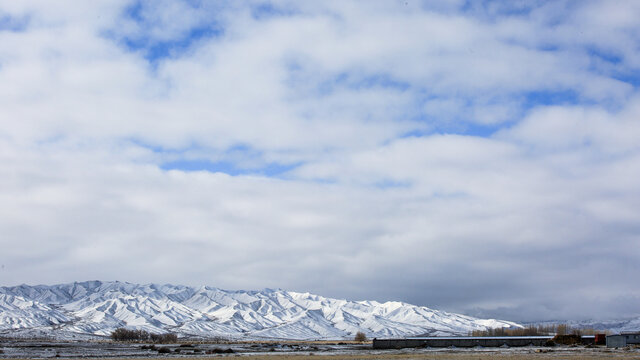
x=448, y=219
x=567, y=128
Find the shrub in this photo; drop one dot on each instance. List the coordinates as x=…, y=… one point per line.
x=122, y=334
x=549, y=343
x=567, y=339
x=164, y=350
x=360, y=336
x=164, y=338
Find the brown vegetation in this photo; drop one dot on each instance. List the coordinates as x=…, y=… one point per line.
x=360, y=337
x=164, y=350
x=567, y=339
x=163, y=338
x=533, y=330
x=122, y=334
x=453, y=356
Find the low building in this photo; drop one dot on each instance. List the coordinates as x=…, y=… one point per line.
x=624, y=339
x=461, y=341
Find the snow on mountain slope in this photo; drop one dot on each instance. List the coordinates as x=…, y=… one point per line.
x=97, y=308
x=16, y=312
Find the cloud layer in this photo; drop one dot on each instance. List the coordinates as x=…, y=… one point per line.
x=472, y=157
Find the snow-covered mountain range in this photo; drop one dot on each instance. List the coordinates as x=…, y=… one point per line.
x=97, y=308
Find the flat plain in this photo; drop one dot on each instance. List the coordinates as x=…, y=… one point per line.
x=426, y=356
x=455, y=356
x=51, y=349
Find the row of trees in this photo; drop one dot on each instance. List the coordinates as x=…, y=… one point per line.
x=122, y=334
x=536, y=330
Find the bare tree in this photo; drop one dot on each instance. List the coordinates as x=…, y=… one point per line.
x=360, y=336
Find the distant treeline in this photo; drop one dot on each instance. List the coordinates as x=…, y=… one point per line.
x=122, y=334
x=537, y=330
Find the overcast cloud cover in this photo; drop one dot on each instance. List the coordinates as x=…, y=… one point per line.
x=476, y=157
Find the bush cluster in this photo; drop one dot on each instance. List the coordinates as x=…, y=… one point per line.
x=122, y=334
x=163, y=338
x=360, y=336
x=569, y=339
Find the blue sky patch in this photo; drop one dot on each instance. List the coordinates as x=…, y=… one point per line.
x=15, y=24
x=617, y=69
x=228, y=167
x=547, y=98
x=391, y=184
x=458, y=128
x=267, y=10
x=492, y=9
x=159, y=149
x=631, y=77
x=605, y=56
x=154, y=49
x=480, y=130
x=157, y=50
x=231, y=160
x=355, y=81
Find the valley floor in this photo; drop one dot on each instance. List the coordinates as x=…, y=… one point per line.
x=31, y=349
x=460, y=356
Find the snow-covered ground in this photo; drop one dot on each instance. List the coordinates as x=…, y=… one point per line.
x=97, y=308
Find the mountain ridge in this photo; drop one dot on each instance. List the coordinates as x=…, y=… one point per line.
x=96, y=308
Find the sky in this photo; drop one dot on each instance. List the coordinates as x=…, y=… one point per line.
x=480, y=157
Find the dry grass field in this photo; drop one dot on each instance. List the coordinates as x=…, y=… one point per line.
x=37, y=349
x=440, y=355
x=453, y=356
x=424, y=356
